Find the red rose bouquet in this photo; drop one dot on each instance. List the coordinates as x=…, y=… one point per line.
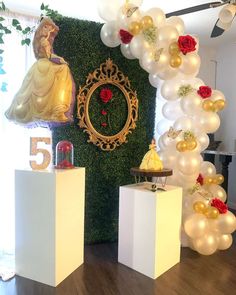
x=187, y=44
x=204, y=91
x=221, y=206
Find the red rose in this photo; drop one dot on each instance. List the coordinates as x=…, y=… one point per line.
x=125, y=36
x=221, y=206
x=200, y=179
x=106, y=95
x=64, y=146
x=104, y=124
x=64, y=164
x=204, y=91
x=104, y=112
x=186, y=44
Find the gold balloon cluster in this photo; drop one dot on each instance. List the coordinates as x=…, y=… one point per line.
x=136, y=27
x=217, y=179
x=213, y=106
x=175, y=58
x=209, y=211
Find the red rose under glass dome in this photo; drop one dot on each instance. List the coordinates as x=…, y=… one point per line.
x=64, y=155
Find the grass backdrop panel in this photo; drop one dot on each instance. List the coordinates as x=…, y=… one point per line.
x=80, y=44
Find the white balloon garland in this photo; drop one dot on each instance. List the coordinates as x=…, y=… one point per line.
x=190, y=113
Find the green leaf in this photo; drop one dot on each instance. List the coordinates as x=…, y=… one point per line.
x=42, y=6
x=2, y=18
x=1, y=51
x=7, y=31
x=1, y=40
x=2, y=6
x=15, y=22
x=19, y=28
x=26, y=30
x=27, y=41
x=22, y=42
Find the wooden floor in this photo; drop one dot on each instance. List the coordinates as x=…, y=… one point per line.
x=102, y=275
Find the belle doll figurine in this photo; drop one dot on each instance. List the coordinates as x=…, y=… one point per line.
x=151, y=160
x=46, y=94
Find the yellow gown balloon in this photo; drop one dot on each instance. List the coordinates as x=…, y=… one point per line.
x=151, y=160
x=46, y=93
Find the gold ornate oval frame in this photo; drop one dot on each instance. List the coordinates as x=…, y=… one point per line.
x=107, y=73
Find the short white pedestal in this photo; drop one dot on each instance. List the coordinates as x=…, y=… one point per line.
x=149, y=228
x=49, y=223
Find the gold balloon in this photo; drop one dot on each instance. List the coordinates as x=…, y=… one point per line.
x=175, y=61
x=135, y=28
x=208, y=180
x=208, y=105
x=191, y=144
x=199, y=207
x=174, y=48
x=219, y=179
x=219, y=105
x=146, y=22
x=181, y=146
x=211, y=212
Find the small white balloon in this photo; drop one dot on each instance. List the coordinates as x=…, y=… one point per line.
x=172, y=110
x=163, y=126
x=217, y=192
x=138, y=46
x=191, y=104
x=168, y=158
x=170, y=88
x=207, y=244
x=189, y=162
x=122, y=20
x=154, y=80
x=184, y=123
x=167, y=33
x=226, y=223
x=203, y=140
x=107, y=9
x=207, y=169
x=216, y=95
x=110, y=35
x=224, y=241
x=207, y=121
x=176, y=22
x=157, y=15
x=168, y=73
x=195, y=225
x=125, y=50
x=190, y=64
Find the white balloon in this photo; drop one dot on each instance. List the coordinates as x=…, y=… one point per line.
x=168, y=158
x=216, y=95
x=125, y=50
x=152, y=66
x=217, y=192
x=207, y=121
x=189, y=162
x=170, y=88
x=191, y=104
x=203, y=140
x=157, y=15
x=226, y=223
x=207, y=169
x=184, y=123
x=169, y=142
x=138, y=46
x=137, y=2
x=163, y=126
x=122, y=20
x=224, y=241
x=172, y=110
x=168, y=73
x=190, y=64
x=167, y=33
x=154, y=80
x=195, y=225
x=110, y=35
x=176, y=22
x=107, y=9
x=207, y=244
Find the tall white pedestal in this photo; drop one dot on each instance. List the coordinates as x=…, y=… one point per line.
x=49, y=223
x=149, y=228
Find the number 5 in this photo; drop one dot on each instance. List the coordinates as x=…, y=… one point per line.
x=34, y=150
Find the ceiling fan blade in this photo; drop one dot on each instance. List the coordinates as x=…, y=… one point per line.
x=220, y=28
x=195, y=8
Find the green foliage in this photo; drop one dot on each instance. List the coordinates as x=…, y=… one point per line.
x=80, y=45
x=46, y=11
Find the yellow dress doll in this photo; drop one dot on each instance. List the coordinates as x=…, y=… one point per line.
x=46, y=94
x=151, y=160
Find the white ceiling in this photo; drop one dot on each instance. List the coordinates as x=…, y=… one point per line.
x=198, y=23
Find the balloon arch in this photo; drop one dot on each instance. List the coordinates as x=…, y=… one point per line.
x=191, y=111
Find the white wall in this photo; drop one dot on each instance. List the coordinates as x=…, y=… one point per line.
x=208, y=66
x=226, y=82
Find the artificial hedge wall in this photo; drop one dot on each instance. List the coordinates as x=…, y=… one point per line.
x=79, y=43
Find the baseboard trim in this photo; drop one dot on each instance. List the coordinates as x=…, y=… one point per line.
x=231, y=205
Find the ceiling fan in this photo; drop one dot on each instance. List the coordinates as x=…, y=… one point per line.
x=226, y=15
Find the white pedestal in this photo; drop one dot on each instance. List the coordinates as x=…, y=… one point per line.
x=49, y=223
x=149, y=228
